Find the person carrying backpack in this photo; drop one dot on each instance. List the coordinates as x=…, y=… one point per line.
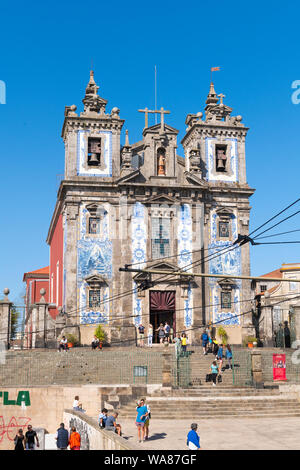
x=204, y=338
x=228, y=355
x=62, y=438
x=167, y=332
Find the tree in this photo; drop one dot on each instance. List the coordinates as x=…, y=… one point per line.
x=100, y=334
x=14, y=321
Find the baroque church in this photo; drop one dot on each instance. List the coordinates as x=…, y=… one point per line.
x=142, y=206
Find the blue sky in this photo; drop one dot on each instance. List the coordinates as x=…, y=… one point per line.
x=46, y=55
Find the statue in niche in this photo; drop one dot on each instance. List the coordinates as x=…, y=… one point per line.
x=161, y=162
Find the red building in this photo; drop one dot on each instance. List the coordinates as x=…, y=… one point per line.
x=35, y=281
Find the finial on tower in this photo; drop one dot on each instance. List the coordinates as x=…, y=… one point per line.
x=212, y=95
x=127, y=139
x=92, y=101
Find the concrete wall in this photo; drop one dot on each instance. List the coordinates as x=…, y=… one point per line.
x=47, y=405
x=92, y=437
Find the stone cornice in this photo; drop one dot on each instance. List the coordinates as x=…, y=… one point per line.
x=76, y=123
x=212, y=130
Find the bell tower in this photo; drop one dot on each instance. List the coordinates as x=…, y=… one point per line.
x=215, y=145
x=92, y=139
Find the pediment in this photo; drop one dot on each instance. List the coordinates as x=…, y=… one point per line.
x=156, y=129
x=163, y=266
x=95, y=279
x=224, y=211
x=161, y=199
x=227, y=283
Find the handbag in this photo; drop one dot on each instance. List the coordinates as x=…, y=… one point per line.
x=219, y=378
x=208, y=378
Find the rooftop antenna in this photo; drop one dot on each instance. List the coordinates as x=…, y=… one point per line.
x=155, y=92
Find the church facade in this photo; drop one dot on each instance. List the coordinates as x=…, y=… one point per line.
x=142, y=206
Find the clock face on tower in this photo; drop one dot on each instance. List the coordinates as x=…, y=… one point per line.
x=94, y=153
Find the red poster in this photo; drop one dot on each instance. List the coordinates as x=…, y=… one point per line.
x=279, y=367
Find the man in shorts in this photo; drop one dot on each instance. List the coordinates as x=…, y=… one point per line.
x=142, y=413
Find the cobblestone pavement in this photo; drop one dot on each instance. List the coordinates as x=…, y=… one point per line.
x=221, y=434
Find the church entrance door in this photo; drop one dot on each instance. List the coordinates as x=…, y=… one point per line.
x=162, y=310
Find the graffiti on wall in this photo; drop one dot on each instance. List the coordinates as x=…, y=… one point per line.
x=9, y=429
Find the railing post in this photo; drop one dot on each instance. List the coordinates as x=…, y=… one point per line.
x=256, y=368
x=5, y=311
x=166, y=370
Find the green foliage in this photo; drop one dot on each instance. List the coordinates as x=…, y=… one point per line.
x=14, y=319
x=72, y=339
x=223, y=334
x=249, y=339
x=100, y=334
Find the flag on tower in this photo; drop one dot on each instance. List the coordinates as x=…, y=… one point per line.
x=215, y=69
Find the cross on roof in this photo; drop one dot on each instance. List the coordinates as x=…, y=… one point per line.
x=221, y=96
x=160, y=111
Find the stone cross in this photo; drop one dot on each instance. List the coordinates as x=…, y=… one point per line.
x=221, y=96
x=160, y=111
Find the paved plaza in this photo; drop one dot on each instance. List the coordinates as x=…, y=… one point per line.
x=221, y=434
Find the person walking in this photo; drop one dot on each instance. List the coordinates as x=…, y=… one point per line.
x=204, y=338
x=171, y=334
x=142, y=414
x=161, y=333
x=228, y=355
x=147, y=422
x=220, y=357
x=167, y=329
x=215, y=347
x=214, y=373
x=19, y=440
x=31, y=439
x=183, y=342
x=150, y=335
x=177, y=342
x=62, y=437
x=287, y=335
x=75, y=439
x=193, y=439
x=141, y=330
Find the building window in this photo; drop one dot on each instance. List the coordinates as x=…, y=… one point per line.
x=226, y=299
x=221, y=158
x=263, y=288
x=224, y=229
x=292, y=285
x=160, y=237
x=94, y=225
x=94, y=151
x=94, y=298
